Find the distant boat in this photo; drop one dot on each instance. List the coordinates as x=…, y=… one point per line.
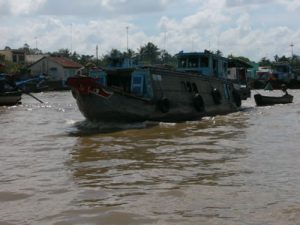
x=31, y=83
x=262, y=100
x=197, y=88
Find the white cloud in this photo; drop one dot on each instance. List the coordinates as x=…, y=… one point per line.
x=247, y=3
x=201, y=25
x=20, y=7
x=92, y=8
x=292, y=5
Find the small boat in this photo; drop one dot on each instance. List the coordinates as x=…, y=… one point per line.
x=9, y=95
x=262, y=100
x=197, y=88
x=11, y=91
x=10, y=98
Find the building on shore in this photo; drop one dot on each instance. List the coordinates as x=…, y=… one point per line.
x=56, y=70
x=13, y=55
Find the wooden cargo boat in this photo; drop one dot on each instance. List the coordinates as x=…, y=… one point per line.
x=197, y=88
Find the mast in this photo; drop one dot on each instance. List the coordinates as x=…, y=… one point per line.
x=127, y=37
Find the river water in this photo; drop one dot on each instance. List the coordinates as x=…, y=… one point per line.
x=56, y=168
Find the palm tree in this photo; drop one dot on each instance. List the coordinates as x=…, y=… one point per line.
x=149, y=53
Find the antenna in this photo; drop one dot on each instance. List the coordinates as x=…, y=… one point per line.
x=97, y=53
x=292, y=46
x=35, y=42
x=165, y=40
x=71, y=38
x=127, y=36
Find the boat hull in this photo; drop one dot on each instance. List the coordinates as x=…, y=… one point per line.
x=261, y=100
x=10, y=98
x=123, y=109
x=172, y=99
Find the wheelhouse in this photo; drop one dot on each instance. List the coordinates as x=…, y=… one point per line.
x=205, y=63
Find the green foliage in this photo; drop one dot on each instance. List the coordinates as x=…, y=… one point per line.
x=63, y=52
x=245, y=59
x=265, y=62
x=219, y=53
x=149, y=53
x=242, y=58
x=166, y=58
x=30, y=51
x=12, y=68
x=295, y=62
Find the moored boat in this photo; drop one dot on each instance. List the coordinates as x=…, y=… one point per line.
x=262, y=100
x=11, y=91
x=9, y=95
x=10, y=98
x=197, y=88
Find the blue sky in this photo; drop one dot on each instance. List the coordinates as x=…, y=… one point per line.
x=251, y=28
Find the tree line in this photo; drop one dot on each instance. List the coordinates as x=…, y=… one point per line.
x=146, y=54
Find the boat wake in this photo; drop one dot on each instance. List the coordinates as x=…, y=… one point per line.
x=86, y=127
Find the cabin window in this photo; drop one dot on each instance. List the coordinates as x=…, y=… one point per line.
x=137, y=84
x=141, y=83
x=193, y=62
x=204, y=62
x=182, y=63
x=101, y=75
x=226, y=91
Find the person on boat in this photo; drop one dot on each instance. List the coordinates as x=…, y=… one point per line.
x=284, y=89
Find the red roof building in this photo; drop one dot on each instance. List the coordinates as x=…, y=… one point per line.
x=56, y=69
x=65, y=62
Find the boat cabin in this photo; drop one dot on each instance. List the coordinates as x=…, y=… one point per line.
x=205, y=63
x=238, y=70
x=237, y=73
x=146, y=81
x=283, y=71
x=127, y=80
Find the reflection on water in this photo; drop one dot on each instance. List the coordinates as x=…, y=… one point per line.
x=56, y=168
x=131, y=163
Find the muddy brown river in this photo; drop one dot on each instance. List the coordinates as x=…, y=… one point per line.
x=58, y=169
